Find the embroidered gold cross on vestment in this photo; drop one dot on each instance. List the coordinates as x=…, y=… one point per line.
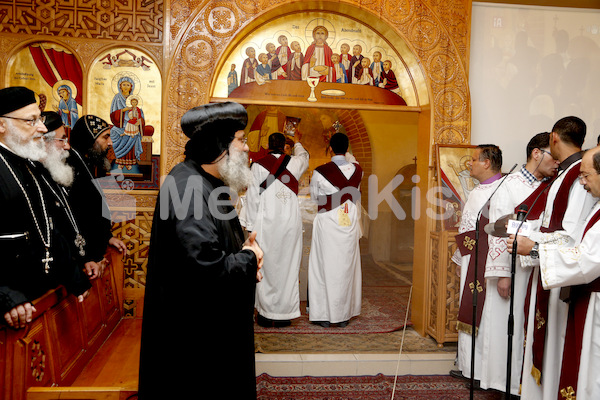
x=568, y=393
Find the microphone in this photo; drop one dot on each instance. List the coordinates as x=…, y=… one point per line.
x=475, y=273
x=522, y=212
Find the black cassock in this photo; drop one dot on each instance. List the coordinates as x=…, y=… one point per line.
x=22, y=273
x=197, y=333
x=90, y=208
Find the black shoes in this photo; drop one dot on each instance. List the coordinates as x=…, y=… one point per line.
x=327, y=324
x=272, y=323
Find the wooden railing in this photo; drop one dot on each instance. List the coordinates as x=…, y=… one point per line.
x=62, y=338
x=87, y=393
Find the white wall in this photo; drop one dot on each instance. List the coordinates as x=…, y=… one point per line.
x=531, y=66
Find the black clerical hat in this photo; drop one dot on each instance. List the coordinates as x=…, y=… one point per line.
x=14, y=98
x=211, y=128
x=53, y=120
x=86, y=131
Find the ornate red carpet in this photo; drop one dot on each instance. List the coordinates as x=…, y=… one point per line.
x=377, y=387
x=383, y=310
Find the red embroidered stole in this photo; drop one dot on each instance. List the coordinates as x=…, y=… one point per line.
x=467, y=244
x=536, y=201
x=277, y=170
x=578, y=307
x=542, y=296
x=336, y=177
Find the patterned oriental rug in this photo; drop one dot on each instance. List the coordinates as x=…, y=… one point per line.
x=383, y=310
x=379, y=387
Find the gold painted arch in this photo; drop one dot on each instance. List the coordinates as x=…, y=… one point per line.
x=216, y=28
x=436, y=34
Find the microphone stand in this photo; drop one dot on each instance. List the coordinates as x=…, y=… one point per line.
x=521, y=216
x=475, y=272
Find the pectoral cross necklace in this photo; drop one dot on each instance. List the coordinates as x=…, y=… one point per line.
x=47, y=222
x=60, y=196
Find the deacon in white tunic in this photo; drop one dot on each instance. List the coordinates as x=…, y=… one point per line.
x=334, y=267
x=275, y=215
x=567, y=206
x=562, y=265
x=516, y=189
x=484, y=166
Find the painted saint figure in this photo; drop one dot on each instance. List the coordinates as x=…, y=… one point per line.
x=388, y=78
x=126, y=145
x=232, y=80
x=249, y=66
x=274, y=64
x=284, y=53
x=377, y=68
x=364, y=75
x=355, y=62
x=67, y=108
x=345, y=58
x=295, y=62
x=264, y=69
x=317, y=60
x=340, y=71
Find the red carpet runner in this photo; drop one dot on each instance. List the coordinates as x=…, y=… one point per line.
x=377, y=387
x=383, y=310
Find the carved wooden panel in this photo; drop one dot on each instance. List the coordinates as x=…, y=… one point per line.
x=140, y=20
x=63, y=323
x=53, y=350
x=444, y=287
x=92, y=315
x=452, y=289
x=434, y=267
x=136, y=235
x=107, y=293
x=36, y=368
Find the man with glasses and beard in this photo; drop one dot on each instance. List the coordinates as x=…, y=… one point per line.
x=57, y=148
x=90, y=142
x=201, y=272
x=36, y=254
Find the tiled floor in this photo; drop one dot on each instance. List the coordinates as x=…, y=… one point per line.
x=348, y=364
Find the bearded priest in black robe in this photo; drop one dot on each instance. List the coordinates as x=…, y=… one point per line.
x=197, y=333
x=36, y=246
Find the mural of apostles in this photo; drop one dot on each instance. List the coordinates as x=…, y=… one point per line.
x=288, y=62
x=129, y=124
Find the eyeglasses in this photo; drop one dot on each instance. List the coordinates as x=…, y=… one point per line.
x=31, y=122
x=545, y=151
x=64, y=140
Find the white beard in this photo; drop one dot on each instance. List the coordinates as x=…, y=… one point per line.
x=61, y=172
x=234, y=170
x=25, y=147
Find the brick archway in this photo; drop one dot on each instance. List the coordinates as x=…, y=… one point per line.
x=360, y=144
